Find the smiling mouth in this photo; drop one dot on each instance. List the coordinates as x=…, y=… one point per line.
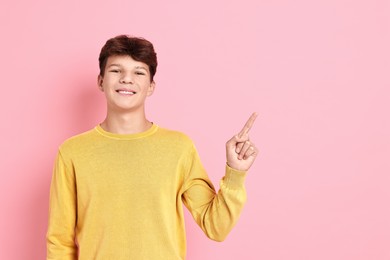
x=126, y=92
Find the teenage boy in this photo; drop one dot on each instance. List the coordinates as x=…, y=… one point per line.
x=117, y=190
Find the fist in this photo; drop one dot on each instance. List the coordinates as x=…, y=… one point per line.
x=240, y=151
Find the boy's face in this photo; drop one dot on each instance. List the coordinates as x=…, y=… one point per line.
x=126, y=83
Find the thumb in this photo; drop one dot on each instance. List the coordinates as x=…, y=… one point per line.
x=234, y=140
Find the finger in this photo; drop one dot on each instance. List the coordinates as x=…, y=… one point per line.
x=248, y=125
x=244, y=149
x=235, y=140
x=239, y=147
x=252, y=151
x=240, y=143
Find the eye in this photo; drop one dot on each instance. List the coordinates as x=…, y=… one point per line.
x=140, y=73
x=114, y=71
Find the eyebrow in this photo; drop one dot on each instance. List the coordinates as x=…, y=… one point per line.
x=118, y=65
x=140, y=67
x=111, y=65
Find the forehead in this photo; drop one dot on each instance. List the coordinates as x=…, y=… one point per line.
x=125, y=61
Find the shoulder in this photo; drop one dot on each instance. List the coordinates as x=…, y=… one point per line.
x=177, y=138
x=78, y=141
x=169, y=133
x=177, y=144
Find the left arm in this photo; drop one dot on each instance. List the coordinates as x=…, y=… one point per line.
x=217, y=213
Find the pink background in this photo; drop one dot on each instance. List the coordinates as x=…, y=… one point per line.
x=316, y=71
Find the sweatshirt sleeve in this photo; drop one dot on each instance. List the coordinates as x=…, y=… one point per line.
x=215, y=213
x=60, y=237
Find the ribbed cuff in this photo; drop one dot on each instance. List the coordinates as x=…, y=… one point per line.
x=234, y=179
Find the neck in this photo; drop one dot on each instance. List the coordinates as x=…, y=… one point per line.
x=125, y=123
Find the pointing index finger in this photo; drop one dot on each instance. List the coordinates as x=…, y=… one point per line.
x=248, y=125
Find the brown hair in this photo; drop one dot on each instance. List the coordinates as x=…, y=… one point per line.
x=137, y=48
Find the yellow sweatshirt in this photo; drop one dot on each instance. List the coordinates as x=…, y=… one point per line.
x=120, y=196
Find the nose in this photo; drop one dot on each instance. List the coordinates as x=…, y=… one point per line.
x=126, y=78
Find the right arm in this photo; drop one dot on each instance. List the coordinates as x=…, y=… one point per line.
x=60, y=237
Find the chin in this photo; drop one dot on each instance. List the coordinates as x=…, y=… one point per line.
x=129, y=108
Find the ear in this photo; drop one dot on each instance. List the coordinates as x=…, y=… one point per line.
x=151, y=88
x=100, y=82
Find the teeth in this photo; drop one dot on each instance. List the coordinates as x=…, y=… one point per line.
x=126, y=92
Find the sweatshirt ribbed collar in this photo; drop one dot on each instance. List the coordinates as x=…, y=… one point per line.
x=146, y=133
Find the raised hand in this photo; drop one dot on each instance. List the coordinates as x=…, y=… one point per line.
x=240, y=151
